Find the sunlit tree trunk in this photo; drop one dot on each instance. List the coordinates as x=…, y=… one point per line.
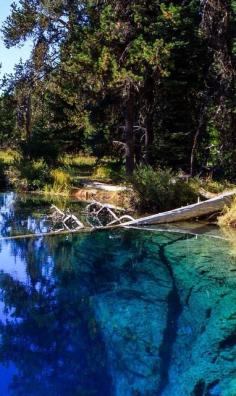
x=28, y=118
x=129, y=133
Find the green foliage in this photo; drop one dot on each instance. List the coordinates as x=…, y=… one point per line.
x=7, y=156
x=161, y=190
x=7, y=120
x=102, y=172
x=78, y=167
x=78, y=160
x=41, y=146
x=30, y=175
x=110, y=171
x=140, y=82
x=216, y=187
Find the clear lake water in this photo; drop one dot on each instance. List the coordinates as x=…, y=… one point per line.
x=114, y=313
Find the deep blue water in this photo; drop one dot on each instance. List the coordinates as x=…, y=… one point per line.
x=121, y=313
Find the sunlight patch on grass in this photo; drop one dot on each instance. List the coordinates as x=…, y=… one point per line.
x=78, y=160
x=7, y=156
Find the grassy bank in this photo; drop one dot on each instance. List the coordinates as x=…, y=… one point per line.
x=152, y=190
x=68, y=172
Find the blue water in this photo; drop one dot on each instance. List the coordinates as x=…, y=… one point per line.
x=121, y=313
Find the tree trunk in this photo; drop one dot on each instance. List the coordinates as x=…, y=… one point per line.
x=129, y=134
x=28, y=121
x=72, y=6
x=217, y=24
x=149, y=132
x=199, y=209
x=149, y=139
x=200, y=128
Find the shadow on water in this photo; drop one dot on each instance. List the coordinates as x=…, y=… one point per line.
x=175, y=309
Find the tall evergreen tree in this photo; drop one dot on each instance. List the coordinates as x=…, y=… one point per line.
x=152, y=78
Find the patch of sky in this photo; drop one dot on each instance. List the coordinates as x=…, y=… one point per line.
x=10, y=57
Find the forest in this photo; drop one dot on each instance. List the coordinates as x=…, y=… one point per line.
x=143, y=87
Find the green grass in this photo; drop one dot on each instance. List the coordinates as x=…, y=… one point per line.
x=61, y=182
x=109, y=171
x=78, y=165
x=68, y=172
x=81, y=167
x=71, y=170
x=212, y=186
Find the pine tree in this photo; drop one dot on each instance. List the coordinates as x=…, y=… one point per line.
x=152, y=79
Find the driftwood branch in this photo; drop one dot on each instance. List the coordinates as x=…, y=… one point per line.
x=98, y=215
x=71, y=224
x=69, y=221
x=102, y=215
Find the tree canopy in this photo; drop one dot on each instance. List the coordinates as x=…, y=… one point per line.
x=150, y=80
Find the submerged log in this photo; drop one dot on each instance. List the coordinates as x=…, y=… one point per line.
x=187, y=212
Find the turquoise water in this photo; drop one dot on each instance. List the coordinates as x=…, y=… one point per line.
x=121, y=313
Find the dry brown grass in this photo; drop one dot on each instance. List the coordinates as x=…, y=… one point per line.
x=228, y=217
x=227, y=222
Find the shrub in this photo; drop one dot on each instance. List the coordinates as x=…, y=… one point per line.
x=160, y=190
x=28, y=175
x=7, y=156
x=42, y=145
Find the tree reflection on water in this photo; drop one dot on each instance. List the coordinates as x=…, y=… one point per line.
x=49, y=329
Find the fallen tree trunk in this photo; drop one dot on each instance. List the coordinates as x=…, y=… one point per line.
x=187, y=212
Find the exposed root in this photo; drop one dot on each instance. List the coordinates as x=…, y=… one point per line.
x=102, y=215
x=98, y=215
x=70, y=221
